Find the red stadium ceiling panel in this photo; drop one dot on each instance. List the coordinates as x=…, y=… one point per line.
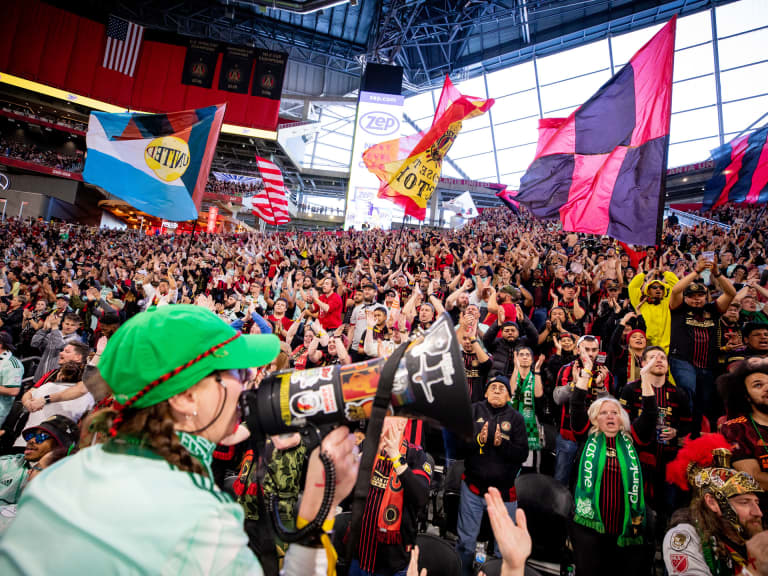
x=54, y=47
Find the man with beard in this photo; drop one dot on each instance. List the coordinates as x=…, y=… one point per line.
x=328, y=304
x=359, y=321
x=513, y=334
x=651, y=300
x=745, y=390
x=600, y=383
x=710, y=537
x=693, y=346
x=672, y=425
x=729, y=337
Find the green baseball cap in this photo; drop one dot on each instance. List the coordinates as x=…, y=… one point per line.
x=168, y=349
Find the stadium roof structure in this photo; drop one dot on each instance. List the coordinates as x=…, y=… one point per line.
x=428, y=38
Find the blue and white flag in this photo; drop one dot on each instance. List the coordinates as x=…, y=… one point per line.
x=158, y=163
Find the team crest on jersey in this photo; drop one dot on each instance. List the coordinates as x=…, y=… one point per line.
x=679, y=541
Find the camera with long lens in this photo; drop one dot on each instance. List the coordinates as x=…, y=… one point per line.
x=424, y=378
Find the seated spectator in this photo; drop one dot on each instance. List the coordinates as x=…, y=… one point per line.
x=55, y=432
x=11, y=373
x=52, y=340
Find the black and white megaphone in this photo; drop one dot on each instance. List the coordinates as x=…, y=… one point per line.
x=427, y=383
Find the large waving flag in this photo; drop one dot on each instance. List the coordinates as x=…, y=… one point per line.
x=271, y=204
x=463, y=205
x=158, y=163
x=601, y=169
x=741, y=171
x=508, y=197
x=409, y=168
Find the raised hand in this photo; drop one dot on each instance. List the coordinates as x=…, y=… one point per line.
x=513, y=539
x=483, y=437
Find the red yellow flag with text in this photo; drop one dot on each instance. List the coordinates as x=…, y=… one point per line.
x=409, y=168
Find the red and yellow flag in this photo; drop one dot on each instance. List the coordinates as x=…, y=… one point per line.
x=409, y=168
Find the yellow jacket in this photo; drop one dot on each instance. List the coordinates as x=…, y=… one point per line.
x=657, y=316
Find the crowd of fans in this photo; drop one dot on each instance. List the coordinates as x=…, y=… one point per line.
x=32, y=153
x=50, y=118
x=584, y=358
x=231, y=188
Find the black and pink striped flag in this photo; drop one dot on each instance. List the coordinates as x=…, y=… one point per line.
x=601, y=169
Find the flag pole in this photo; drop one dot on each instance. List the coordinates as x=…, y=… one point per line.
x=663, y=187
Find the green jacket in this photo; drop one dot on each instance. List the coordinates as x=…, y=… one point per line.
x=119, y=508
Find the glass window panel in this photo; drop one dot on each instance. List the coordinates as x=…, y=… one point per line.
x=338, y=140
x=693, y=93
x=471, y=143
x=625, y=45
x=512, y=180
x=691, y=152
x=572, y=92
x=694, y=124
x=693, y=29
x=694, y=62
x=419, y=106
x=477, y=167
x=514, y=79
x=515, y=107
x=740, y=16
x=738, y=115
x=516, y=133
x=744, y=82
x=742, y=49
x=473, y=87
x=562, y=112
x=574, y=62
x=448, y=171
x=516, y=159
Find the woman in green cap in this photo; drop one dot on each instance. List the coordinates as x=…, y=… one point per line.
x=144, y=502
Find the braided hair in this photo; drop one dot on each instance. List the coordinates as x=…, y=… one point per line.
x=154, y=426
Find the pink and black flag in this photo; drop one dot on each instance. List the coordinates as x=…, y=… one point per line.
x=741, y=171
x=509, y=198
x=601, y=169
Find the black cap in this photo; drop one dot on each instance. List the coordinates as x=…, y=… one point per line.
x=695, y=288
x=499, y=378
x=568, y=284
x=64, y=430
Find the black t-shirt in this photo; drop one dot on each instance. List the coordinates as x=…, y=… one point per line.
x=694, y=334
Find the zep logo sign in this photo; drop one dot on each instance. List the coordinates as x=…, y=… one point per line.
x=379, y=123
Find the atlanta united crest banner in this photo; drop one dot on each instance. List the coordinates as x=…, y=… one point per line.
x=270, y=71
x=235, y=75
x=409, y=168
x=200, y=63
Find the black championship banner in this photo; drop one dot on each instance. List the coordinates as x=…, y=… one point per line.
x=235, y=75
x=200, y=63
x=270, y=70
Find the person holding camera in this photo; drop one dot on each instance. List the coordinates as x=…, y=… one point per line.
x=493, y=458
x=145, y=500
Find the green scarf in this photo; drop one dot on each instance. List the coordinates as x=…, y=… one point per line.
x=588, y=487
x=523, y=403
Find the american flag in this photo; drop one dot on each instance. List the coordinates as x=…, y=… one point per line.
x=123, y=44
x=271, y=205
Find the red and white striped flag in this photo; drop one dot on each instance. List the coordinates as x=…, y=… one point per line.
x=123, y=44
x=271, y=204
